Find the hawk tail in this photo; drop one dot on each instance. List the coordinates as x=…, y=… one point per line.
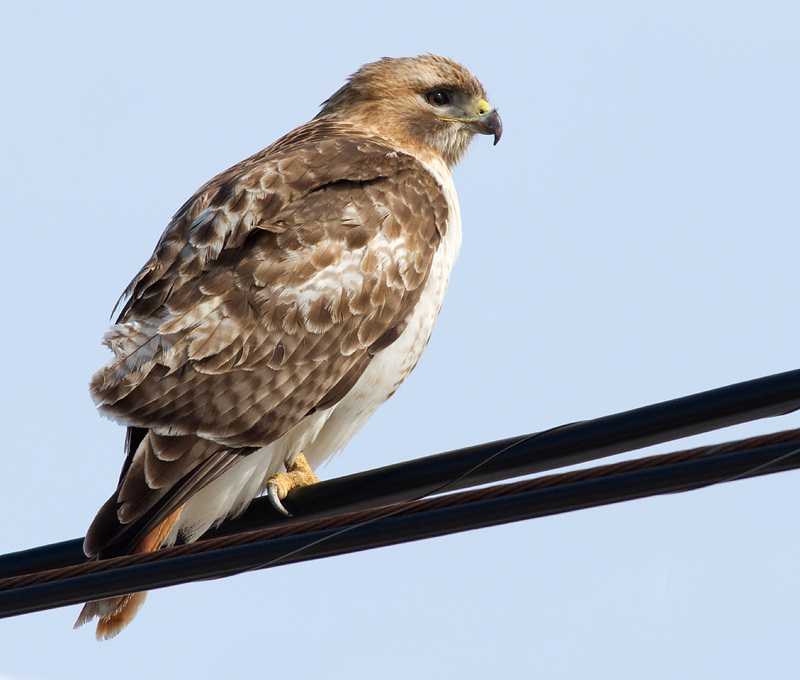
x=115, y=613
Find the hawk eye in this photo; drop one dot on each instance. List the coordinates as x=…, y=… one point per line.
x=437, y=98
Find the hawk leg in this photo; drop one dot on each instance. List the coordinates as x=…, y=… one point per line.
x=297, y=474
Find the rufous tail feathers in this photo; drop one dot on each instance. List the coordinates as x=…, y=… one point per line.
x=114, y=613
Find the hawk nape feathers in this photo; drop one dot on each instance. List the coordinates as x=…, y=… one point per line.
x=285, y=301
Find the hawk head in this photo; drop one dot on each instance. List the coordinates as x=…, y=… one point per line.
x=429, y=103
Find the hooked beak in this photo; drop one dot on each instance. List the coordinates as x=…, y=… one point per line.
x=488, y=124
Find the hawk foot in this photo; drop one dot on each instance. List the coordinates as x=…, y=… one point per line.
x=297, y=474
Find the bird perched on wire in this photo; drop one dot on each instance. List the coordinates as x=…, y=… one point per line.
x=285, y=301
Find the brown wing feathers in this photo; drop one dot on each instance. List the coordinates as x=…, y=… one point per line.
x=265, y=300
x=159, y=476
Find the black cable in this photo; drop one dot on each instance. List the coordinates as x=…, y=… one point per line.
x=421, y=523
x=495, y=461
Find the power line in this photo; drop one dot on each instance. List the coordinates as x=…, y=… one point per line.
x=495, y=461
x=403, y=522
x=343, y=515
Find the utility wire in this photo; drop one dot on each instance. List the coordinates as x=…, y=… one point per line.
x=402, y=522
x=567, y=445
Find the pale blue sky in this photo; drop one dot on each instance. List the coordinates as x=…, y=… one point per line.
x=633, y=238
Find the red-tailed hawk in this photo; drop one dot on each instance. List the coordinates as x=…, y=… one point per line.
x=286, y=300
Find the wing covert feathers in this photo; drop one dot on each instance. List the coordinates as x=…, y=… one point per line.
x=265, y=300
x=269, y=288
